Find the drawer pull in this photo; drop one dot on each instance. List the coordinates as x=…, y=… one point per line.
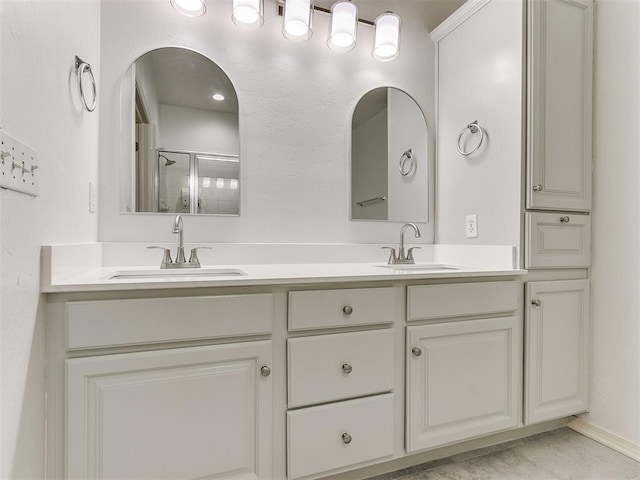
x=537, y=188
x=564, y=219
x=346, y=438
x=265, y=371
x=346, y=368
x=347, y=309
x=416, y=351
x=536, y=302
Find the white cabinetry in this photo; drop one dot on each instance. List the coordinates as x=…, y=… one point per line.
x=557, y=240
x=560, y=92
x=463, y=375
x=556, y=350
x=202, y=412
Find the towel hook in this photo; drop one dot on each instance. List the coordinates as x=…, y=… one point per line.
x=474, y=128
x=83, y=67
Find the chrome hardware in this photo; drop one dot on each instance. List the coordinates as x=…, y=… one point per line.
x=407, y=165
x=537, y=188
x=4, y=155
x=416, y=351
x=371, y=200
x=401, y=258
x=346, y=438
x=34, y=168
x=474, y=128
x=83, y=67
x=178, y=228
x=265, y=371
x=166, y=259
x=346, y=368
x=536, y=302
x=347, y=309
x=564, y=219
x=17, y=165
x=193, y=258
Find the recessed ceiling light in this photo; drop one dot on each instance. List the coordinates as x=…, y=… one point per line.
x=190, y=8
x=218, y=97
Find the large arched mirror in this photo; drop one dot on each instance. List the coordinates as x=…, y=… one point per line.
x=180, y=151
x=389, y=158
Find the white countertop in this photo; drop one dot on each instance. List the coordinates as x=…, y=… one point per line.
x=88, y=268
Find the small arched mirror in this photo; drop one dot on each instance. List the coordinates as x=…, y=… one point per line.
x=180, y=151
x=389, y=158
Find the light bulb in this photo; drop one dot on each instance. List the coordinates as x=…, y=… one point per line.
x=344, y=21
x=248, y=13
x=386, y=44
x=297, y=19
x=190, y=8
x=218, y=97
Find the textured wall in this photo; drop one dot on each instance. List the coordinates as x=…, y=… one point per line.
x=38, y=41
x=615, y=369
x=295, y=100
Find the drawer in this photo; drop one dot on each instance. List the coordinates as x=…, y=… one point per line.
x=425, y=302
x=109, y=323
x=341, y=308
x=557, y=240
x=336, y=367
x=341, y=434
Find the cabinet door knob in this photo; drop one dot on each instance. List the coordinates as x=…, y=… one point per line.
x=565, y=219
x=416, y=351
x=536, y=302
x=265, y=371
x=346, y=368
x=537, y=188
x=347, y=309
x=346, y=438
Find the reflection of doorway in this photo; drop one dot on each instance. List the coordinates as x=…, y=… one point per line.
x=192, y=182
x=145, y=167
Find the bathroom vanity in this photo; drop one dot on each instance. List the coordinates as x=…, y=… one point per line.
x=283, y=373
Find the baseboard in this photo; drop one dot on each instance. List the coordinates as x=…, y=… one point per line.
x=607, y=438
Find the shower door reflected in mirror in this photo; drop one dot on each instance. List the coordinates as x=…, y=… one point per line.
x=180, y=116
x=190, y=182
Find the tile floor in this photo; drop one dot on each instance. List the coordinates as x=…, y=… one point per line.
x=556, y=455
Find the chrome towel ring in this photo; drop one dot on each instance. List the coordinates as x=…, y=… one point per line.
x=83, y=67
x=474, y=128
x=407, y=165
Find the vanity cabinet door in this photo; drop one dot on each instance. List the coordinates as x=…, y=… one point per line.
x=184, y=413
x=556, y=349
x=462, y=380
x=560, y=92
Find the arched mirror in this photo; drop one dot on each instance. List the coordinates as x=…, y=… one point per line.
x=180, y=151
x=389, y=158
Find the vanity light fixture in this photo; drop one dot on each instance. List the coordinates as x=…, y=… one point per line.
x=297, y=20
x=386, y=44
x=190, y=8
x=218, y=97
x=248, y=13
x=344, y=25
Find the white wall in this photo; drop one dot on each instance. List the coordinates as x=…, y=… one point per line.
x=480, y=78
x=39, y=105
x=295, y=100
x=615, y=277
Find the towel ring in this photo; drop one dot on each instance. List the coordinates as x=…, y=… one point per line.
x=407, y=165
x=83, y=67
x=473, y=127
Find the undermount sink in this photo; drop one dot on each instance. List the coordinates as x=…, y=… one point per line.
x=418, y=266
x=174, y=273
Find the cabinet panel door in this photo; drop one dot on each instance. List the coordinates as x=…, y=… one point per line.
x=556, y=350
x=188, y=413
x=463, y=380
x=557, y=240
x=559, y=145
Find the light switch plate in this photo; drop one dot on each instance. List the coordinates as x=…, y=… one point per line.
x=18, y=165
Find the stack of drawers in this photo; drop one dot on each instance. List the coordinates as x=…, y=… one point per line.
x=340, y=385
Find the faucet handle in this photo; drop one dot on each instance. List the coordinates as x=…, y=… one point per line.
x=166, y=259
x=193, y=259
x=410, y=252
x=392, y=255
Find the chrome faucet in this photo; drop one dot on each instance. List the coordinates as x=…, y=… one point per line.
x=400, y=258
x=181, y=262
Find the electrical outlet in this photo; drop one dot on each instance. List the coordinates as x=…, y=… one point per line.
x=93, y=197
x=472, y=226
